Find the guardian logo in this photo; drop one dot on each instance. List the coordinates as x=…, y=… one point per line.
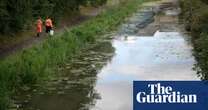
x=171, y=95
x=162, y=94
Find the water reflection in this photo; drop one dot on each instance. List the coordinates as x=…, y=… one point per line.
x=165, y=56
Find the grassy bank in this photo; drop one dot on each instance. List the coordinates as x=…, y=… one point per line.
x=38, y=63
x=195, y=14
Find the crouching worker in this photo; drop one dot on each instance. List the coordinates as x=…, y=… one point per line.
x=49, y=26
x=39, y=26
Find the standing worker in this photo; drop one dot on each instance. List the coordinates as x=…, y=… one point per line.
x=39, y=26
x=49, y=25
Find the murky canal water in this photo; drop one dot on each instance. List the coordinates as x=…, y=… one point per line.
x=73, y=89
x=101, y=77
x=166, y=55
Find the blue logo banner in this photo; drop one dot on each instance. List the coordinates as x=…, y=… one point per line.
x=170, y=95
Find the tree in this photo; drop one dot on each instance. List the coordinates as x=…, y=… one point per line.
x=16, y=15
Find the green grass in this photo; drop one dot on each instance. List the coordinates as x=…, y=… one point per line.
x=36, y=64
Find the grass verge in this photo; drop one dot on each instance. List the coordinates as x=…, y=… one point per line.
x=36, y=64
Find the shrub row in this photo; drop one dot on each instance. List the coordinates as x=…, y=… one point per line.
x=195, y=14
x=16, y=15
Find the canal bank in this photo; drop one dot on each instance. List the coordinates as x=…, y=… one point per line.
x=194, y=15
x=39, y=63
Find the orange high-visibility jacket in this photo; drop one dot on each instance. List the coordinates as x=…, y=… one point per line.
x=39, y=25
x=49, y=22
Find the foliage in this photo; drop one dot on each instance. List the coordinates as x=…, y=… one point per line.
x=195, y=14
x=16, y=15
x=36, y=64
x=201, y=53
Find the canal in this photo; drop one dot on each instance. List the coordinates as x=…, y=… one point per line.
x=151, y=45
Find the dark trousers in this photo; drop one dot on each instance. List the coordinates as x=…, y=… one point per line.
x=38, y=34
x=48, y=29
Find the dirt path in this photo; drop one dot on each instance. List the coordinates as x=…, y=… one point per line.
x=87, y=14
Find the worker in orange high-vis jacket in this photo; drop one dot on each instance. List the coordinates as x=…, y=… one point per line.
x=48, y=25
x=39, y=27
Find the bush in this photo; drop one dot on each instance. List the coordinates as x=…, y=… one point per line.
x=201, y=55
x=199, y=23
x=195, y=14
x=16, y=15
